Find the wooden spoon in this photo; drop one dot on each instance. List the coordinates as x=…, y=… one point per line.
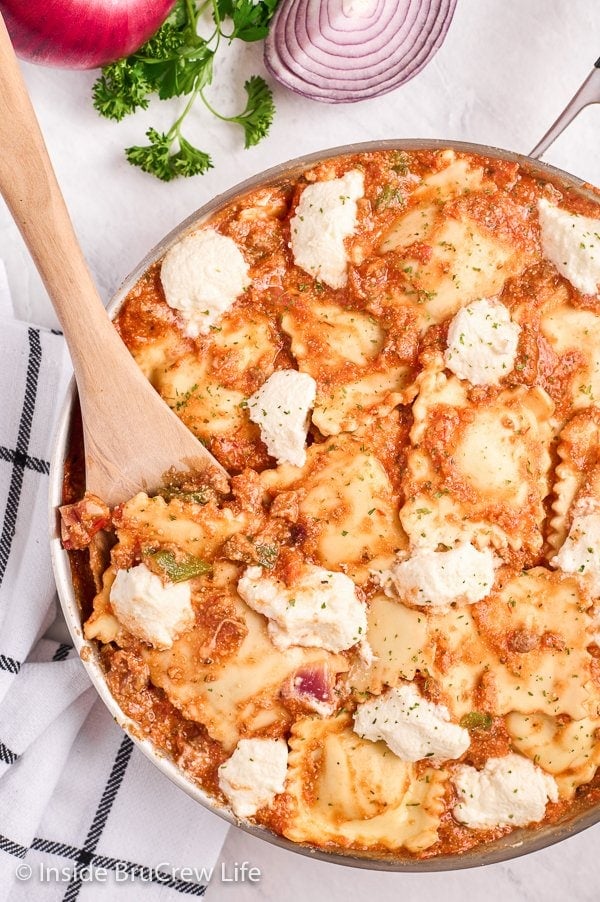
x=131, y=436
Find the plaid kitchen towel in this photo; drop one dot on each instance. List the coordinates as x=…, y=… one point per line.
x=83, y=814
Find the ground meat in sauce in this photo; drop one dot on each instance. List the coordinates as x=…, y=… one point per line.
x=279, y=536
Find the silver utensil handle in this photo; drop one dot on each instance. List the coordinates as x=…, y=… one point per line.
x=589, y=92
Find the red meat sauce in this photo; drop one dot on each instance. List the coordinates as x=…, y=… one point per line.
x=145, y=322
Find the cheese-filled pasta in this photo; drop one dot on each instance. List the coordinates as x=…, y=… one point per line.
x=382, y=639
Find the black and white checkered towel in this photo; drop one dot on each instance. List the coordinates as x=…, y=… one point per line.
x=83, y=815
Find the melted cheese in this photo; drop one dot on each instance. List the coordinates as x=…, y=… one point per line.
x=508, y=792
x=411, y=726
x=439, y=578
x=482, y=343
x=254, y=774
x=281, y=408
x=321, y=609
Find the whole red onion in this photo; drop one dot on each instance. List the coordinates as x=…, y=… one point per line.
x=81, y=34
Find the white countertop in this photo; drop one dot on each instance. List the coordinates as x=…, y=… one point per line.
x=504, y=73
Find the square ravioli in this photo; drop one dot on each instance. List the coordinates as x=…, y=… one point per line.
x=478, y=467
x=395, y=603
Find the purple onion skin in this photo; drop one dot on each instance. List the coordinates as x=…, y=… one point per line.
x=317, y=50
x=81, y=34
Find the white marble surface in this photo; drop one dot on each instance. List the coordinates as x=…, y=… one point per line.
x=504, y=73
x=568, y=872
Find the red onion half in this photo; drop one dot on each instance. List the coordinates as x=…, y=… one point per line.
x=341, y=51
x=81, y=34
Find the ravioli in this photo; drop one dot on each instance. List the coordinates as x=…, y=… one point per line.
x=359, y=376
x=569, y=751
x=403, y=461
x=237, y=695
x=578, y=472
x=468, y=256
x=477, y=470
x=357, y=794
x=523, y=649
x=208, y=390
x=570, y=331
x=347, y=506
x=399, y=640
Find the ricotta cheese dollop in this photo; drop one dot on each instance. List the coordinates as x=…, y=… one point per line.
x=482, y=343
x=281, y=408
x=323, y=219
x=321, y=609
x=411, y=726
x=580, y=553
x=150, y=610
x=202, y=275
x=438, y=578
x=572, y=244
x=508, y=792
x=254, y=774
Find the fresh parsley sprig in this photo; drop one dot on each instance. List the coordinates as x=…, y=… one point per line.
x=176, y=62
x=258, y=115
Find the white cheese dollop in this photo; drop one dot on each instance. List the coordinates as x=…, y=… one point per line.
x=482, y=343
x=413, y=727
x=572, y=244
x=254, y=774
x=324, y=217
x=580, y=554
x=153, y=612
x=281, y=407
x=202, y=275
x=322, y=609
x=508, y=792
x=438, y=578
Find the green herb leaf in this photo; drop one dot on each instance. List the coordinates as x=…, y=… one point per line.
x=158, y=159
x=176, y=62
x=180, y=570
x=390, y=196
x=154, y=157
x=121, y=89
x=476, y=720
x=190, y=71
x=250, y=20
x=260, y=109
x=189, y=160
x=267, y=555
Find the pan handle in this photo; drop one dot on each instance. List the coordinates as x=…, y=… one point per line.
x=589, y=92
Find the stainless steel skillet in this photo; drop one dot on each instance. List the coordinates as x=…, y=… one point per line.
x=517, y=843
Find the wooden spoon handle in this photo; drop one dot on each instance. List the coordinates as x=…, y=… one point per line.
x=29, y=187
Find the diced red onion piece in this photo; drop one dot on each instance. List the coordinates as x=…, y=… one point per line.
x=316, y=682
x=312, y=686
x=341, y=51
x=80, y=522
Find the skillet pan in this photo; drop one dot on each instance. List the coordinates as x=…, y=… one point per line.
x=515, y=844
